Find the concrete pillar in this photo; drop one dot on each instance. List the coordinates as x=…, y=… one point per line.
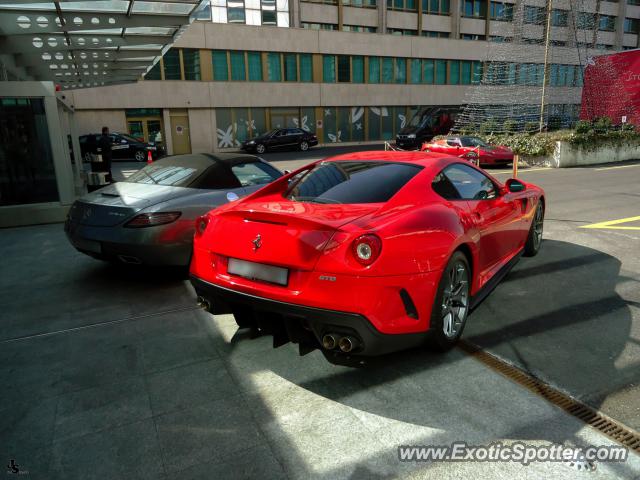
x=168, y=140
x=59, y=151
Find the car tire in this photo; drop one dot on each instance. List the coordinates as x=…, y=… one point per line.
x=534, y=239
x=304, y=145
x=261, y=148
x=139, y=156
x=450, y=309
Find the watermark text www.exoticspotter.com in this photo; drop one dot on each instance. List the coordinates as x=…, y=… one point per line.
x=518, y=452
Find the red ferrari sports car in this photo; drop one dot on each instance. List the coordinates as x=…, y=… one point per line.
x=471, y=148
x=365, y=253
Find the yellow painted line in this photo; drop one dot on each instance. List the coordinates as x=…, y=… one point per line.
x=614, y=224
x=619, y=166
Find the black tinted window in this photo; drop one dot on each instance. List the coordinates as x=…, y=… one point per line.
x=352, y=182
x=443, y=187
x=470, y=183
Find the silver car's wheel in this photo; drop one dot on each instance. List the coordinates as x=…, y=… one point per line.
x=451, y=304
x=304, y=146
x=140, y=156
x=260, y=148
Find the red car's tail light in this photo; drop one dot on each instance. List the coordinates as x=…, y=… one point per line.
x=367, y=248
x=201, y=225
x=152, y=219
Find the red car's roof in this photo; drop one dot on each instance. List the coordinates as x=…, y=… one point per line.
x=421, y=158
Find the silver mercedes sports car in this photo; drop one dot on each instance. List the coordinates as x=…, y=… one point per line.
x=150, y=218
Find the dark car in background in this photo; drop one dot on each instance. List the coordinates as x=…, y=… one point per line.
x=123, y=147
x=150, y=218
x=426, y=124
x=281, y=138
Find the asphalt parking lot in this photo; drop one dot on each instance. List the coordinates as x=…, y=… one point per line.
x=113, y=372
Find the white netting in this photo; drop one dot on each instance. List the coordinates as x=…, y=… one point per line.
x=509, y=95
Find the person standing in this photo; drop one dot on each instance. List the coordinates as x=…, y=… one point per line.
x=104, y=146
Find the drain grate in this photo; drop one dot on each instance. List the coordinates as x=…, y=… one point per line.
x=616, y=431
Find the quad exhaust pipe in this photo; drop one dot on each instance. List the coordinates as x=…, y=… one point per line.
x=346, y=344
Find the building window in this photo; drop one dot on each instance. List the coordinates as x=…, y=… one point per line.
x=319, y=26
x=559, y=17
x=401, y=70
x=290, y=67
x=474, y=8
x=328, y=68
x=499, y=39
x=171, y=61
x=329, y=2
x=559, y=43
x=607, y=23
x=586, y=20
x=387, y=70
x=236, y=60
x=274, y=67
x=251, y=12
x=401, y=31
x=374, y=69
x=502, y=12
x=471, y=36
x=416, y=71
x=344, y=68
x=454, y=72
x=357, y=69
x=191, y=60
x=254, y=61
x=534, y=15
x=436, y=7
x=220, y=67
x=428, y=71
x=360, y=3
x=631, y=25
x=359, y=28
x=633, y=2
x=409, y=5
x=441, y=72
x=154, y=73
x=306, y=67
x=235, y=11
x=432, y=34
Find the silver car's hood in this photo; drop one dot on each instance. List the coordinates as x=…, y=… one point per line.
x=115, y=203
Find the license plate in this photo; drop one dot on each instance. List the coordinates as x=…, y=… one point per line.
x=258, y=271
x=88, y=245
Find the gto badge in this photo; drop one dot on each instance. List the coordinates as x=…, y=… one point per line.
x=257, y=243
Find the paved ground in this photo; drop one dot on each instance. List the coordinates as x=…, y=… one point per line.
x=112, y=373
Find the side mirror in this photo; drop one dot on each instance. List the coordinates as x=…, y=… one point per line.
x=514, y=185
x=287, y=172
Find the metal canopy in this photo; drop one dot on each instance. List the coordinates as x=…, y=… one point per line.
x=90, y=43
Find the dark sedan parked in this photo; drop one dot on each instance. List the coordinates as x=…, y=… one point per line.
x=123, y=146
x=281, y=138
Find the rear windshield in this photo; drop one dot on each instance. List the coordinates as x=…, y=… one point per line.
x=178, y=171
x=352, y=182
